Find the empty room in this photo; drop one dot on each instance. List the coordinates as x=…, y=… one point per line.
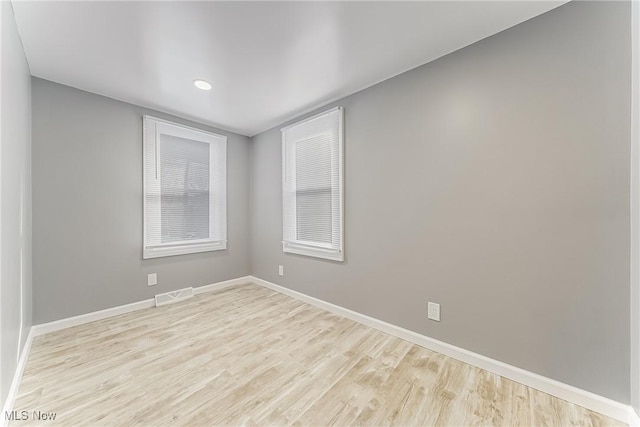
x=314, y=213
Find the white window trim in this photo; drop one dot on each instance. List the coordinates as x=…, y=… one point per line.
x=315, y=249
x=196, y=246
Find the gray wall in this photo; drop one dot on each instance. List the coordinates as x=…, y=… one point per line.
x=494, y=181
x=87, y=203
x=635, y=210
x=15, y=199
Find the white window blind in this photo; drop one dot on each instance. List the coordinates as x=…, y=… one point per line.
x=185, y=190
x=312, y=153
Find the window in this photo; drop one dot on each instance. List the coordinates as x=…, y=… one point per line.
x=185, y=190
x=312, y=169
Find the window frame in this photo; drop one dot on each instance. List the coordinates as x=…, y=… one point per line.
x=316, y=249
x=151, y=129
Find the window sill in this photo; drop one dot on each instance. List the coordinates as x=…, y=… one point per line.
x=330, y=254
x=160, y=251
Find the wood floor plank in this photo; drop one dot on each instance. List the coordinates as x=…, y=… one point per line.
x=250, y=356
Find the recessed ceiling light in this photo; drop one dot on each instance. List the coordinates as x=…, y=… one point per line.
x=202, y=84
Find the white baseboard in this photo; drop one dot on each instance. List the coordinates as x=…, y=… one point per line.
x=57, y=325
x=221, y=285
x=45, y=328
x=17, y=377
x=584, y=398
x=634, y=418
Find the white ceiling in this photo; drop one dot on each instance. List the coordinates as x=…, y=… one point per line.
x=267, y=61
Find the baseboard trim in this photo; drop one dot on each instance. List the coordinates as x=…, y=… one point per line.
x=45, y=328
x=221, y=285
x=634, y=418
x=572, y=394
x=17, y=378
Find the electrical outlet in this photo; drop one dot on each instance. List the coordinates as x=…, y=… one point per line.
x=281, y=270
x=152, y=279
x=433, y=311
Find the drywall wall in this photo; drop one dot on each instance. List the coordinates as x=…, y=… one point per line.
x=15, y=198
x=87, y=203
x=494, y=181
x=635, y=208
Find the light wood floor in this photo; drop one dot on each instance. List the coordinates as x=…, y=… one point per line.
x=248, y=355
